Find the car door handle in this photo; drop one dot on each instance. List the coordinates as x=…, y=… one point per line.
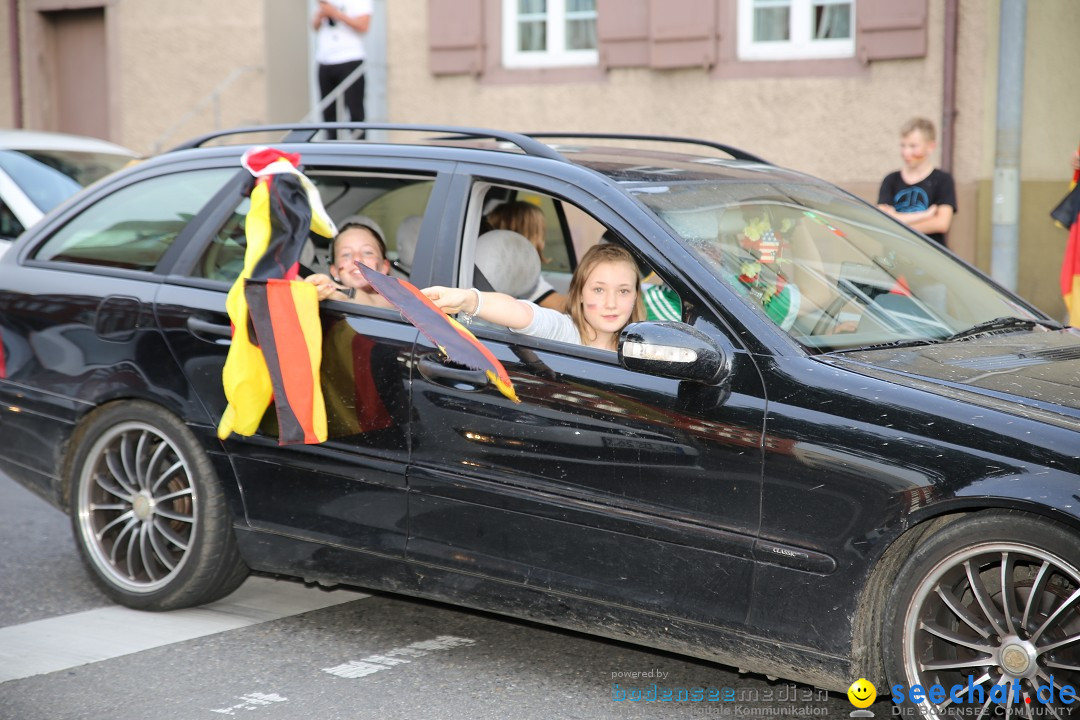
x=433, y=367
x=205, y=327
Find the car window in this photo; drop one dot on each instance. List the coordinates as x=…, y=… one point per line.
x=10, y=227
x=393, y=211
x=387, y=199
x=568, y=233
x=831, y=271
x=46, y=186
x=224, y=257
x=134, y=226
x=558, y=244
x=82, y=166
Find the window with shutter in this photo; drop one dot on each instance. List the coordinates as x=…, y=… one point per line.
x=889, y=30
x=456, y=36
x=682, y=33
x=622, y=30
x=548, y=33
x=796, y=29
x=577, y=40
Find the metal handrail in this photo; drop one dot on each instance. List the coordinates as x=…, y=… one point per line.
x=337, y=95
x=214, y=97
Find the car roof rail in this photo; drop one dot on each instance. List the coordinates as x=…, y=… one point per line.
x=303, y=133
x=734, y=152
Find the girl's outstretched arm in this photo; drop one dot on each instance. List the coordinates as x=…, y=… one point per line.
x=495, y=308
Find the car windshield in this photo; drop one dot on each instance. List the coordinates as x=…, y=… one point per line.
x=831, y=271
x=48, y=177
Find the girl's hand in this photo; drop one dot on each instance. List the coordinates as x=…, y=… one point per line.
x=324, y=285
x=451, y=300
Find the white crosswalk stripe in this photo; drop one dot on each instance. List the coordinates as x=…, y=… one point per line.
x=58, y=643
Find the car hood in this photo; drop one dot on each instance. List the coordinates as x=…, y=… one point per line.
x=1037, y=370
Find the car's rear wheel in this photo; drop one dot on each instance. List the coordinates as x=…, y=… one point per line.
x=148, y=512
x=995, y=598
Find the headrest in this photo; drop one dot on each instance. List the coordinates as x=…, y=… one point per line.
x=509, y=262
x=408, y=233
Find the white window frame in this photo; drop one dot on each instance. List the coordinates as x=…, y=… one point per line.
x=556, y=54
x=801, y=46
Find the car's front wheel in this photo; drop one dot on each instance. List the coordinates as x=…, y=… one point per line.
x=988, y=610
x=148, y=512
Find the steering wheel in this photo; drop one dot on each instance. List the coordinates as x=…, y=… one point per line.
x=830, y=317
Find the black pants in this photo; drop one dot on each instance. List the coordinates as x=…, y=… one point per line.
x=330, y=76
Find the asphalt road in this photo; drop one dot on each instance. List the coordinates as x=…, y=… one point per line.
x=279, y=650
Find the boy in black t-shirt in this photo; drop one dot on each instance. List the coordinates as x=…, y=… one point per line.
x=919, y=195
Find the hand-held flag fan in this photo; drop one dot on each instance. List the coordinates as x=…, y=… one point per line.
x=451, y=337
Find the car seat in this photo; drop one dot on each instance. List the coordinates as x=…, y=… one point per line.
x=508, y=262
x=408, y=233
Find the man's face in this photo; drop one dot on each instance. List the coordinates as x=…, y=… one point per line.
x=914, y=148
x=357, y=244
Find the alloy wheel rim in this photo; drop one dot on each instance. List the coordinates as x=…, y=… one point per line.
x=1001, y=614
x=136, y=507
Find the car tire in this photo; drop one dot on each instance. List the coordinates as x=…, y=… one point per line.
x=960, y=607
x=148, y=513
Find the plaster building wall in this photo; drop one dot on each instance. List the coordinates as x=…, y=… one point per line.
x=908, y=88
x=289, y=71
x=165, y=60
x=174, y=55
x=843, y=127
x=1049, y=135
x=7, y=84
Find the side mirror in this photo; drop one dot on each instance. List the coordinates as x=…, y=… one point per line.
x=674, y=350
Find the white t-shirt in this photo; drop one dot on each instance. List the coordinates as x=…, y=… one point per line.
x=339, y=43
x=551, y=324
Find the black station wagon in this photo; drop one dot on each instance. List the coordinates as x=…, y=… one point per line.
x=852, y=455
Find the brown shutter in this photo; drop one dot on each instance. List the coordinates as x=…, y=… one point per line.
x=456, y=36
x=622, y=31
x=682, y=33
x=890, y=29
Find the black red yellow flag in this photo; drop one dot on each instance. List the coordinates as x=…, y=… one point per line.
x=284, y=205
x=285, y=315
x=1070, y=273
x=1067, y=213
x=452, y=338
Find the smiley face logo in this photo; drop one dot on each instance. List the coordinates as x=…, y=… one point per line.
x=862, y=693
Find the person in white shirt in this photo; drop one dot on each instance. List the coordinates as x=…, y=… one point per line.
x=340, y=26
x=604, y=297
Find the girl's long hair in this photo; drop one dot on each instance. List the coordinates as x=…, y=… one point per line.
x=524, y=218
x=601, y=253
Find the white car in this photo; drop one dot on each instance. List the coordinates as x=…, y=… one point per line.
x=39, y=170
